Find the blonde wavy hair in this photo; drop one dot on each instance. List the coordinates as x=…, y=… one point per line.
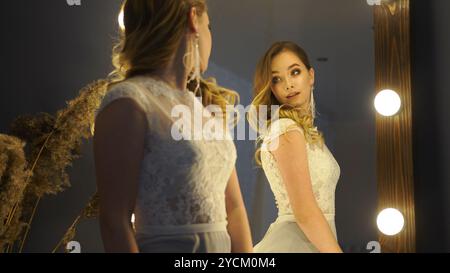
x=153, y=31
x=263, y=96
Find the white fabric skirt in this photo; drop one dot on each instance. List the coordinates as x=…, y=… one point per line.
x=285, y=236
x=199, y=238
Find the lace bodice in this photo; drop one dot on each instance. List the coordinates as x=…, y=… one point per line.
x=182, y=182
x=323, y=169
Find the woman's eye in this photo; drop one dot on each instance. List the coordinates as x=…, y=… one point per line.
x=275, y=80
x=295, y=72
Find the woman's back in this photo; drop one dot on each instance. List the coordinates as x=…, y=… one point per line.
x=182, y=182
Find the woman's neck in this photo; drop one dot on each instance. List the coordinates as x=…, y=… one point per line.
x=174, y=75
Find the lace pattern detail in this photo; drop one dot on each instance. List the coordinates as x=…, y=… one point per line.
x=181, y=182
x=323, y=169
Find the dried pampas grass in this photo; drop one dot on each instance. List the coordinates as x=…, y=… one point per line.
x=52, y=143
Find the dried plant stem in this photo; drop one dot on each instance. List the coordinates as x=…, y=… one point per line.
x=8, y=222
x=75, y=223
x=37, y=201
x=27, y=229
x=11, y=214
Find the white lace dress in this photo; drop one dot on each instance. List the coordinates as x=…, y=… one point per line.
x=284, y=235
x=180, y=204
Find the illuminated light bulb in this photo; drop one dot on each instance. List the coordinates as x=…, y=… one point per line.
x=387, y=102
x=390, y=221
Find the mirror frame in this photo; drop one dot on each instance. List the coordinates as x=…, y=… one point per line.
x=395, y=178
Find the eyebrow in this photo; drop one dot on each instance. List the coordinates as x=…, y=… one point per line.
x=290, y=67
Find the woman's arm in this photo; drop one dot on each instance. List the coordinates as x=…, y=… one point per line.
x=238, y=226
x=293, y=164
x=118, y=151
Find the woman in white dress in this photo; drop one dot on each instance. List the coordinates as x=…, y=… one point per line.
x=302, y=172
x=183, y=190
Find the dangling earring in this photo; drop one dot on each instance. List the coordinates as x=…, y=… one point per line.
x=313, y=103
x=195, y=74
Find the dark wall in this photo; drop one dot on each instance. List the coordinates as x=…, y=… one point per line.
x=431, y=123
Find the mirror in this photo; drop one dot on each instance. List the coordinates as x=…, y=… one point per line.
x=338, y=37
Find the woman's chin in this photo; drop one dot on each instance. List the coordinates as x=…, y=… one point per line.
x=299, y=105
x=295, y=103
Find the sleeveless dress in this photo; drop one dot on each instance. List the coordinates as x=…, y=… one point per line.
x=284, y=235
x=180, y=204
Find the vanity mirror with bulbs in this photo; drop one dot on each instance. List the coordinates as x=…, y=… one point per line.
x=361, y=97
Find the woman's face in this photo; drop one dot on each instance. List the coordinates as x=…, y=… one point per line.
x=291, y=81
x=205, y=41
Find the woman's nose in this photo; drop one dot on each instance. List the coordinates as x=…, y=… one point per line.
x=289, y=85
